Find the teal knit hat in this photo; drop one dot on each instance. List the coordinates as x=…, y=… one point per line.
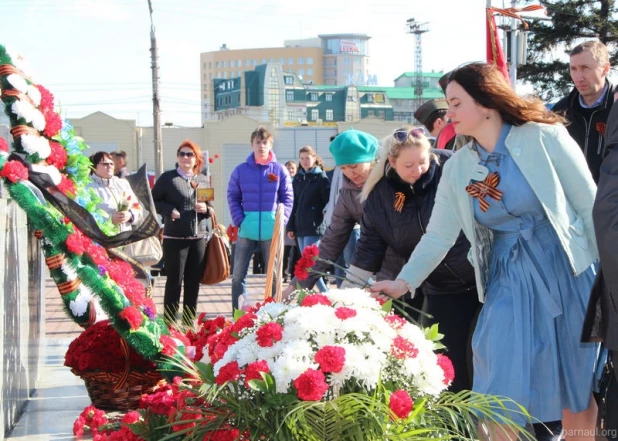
x=353, y=147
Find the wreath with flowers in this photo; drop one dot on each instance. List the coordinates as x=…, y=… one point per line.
x=47, y=175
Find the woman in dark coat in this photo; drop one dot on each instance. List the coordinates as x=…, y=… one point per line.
x=185, y=230
x=398, y=199
x=311, y=192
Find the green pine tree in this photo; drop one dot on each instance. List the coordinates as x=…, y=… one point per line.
x=570, y=22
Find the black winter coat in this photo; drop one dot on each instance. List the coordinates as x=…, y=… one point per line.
x=385, y=230
x=173, y=191
x=311, y=193
x=588, y=126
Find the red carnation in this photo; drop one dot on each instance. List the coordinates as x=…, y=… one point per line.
x=315, y=299
x=345, y=313
x=447, y=366
x=268, y=334
x=300, y=272
x=58, y=155
x=330, y=358
x=210, y=160
x=14, y=171
x=47, y=99
x=403, y=348
x=311, y=251
x=169, y=345
x=75, y=243
x=53, y=123
x=132, y=315
x=401, y=403
x=66, y=186
x=229, y=372
x=4, y=147
x=246, y=321
x=131, y=417
x=217, y=155
x=254, y=371
x=310, y=385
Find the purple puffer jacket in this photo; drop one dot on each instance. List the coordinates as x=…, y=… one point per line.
x=253, y=194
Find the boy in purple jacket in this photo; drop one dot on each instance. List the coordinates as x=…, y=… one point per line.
x=256, y=187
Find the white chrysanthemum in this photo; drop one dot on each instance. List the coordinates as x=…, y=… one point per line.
x=52, y=171
x=35, y=94
x=316, y=319
x=38, y=120
x=353, y=366
x=36, y=144
x=247, y=351
x=18, y=82
x=272, y=310
x=80, y=304
x=286, y=370
x=298, y=350
x=352, y=297
x=23, y=109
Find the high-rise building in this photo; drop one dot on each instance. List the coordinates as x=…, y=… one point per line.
x=333, y=59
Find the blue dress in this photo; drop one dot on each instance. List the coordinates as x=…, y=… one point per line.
x=527, y=341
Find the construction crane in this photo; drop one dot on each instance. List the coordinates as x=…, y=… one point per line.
x=418, y=29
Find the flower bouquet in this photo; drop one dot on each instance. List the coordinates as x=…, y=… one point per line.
x=114, y=373
x=333, y=366
x=124, y=203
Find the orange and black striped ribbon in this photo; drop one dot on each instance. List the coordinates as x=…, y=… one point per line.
x=68, y=287
x=400, y=198
x=488, y=187
x=55, y=261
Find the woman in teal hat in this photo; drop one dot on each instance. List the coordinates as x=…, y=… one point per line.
x=355, y=154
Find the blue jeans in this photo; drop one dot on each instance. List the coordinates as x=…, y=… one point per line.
x=348, y=254
x=242, y=257
x=305, y=241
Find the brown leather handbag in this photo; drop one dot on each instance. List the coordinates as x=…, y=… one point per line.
x=216, y=261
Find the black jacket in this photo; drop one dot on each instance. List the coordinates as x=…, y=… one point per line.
x=173, y=191
x=601, y=322
x=311, y=192
x=386, y=230
x=588, y=126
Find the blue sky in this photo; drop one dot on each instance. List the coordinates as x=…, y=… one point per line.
x=95, y=54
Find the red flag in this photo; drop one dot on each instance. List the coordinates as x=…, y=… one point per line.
x=495, y=54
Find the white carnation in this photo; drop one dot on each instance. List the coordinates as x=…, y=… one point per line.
x=18, y=82
x=36, y=144
x=80, y=304
x=35, y=94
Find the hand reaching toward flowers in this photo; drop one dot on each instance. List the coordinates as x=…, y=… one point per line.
x=393, y=289
x=357, y=277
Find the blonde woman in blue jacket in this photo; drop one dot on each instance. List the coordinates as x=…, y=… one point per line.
x=522, y=194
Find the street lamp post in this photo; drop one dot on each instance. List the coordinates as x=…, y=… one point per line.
x=156, y=110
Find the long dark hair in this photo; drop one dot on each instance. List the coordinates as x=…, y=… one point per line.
x=488, y=87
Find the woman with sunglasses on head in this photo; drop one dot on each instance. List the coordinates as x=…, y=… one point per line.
x=522, y=193
x=398, y=199
x=185, y=230
x=116, y=195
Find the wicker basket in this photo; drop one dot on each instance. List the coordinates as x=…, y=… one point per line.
x=116, y=391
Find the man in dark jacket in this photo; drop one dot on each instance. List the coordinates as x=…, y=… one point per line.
x=601, y=323
x=589, y=103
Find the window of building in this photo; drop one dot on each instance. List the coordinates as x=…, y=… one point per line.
x=381, y=113
x=290, y=115
x=315, y=114
x=346, y=60
x=218, y=74
x=313, y=96
x=309, y=71
x=309, y=60
x=328, y=97
x=282, y=61
x=289, y=80
x=210, y=75
x=272, y=60
x=210, y=65
x=301, y=72
x=218, y=64
x=289, y=95
x=263, y=60
x=232, y=63
x=225, y=64
x=254, y=62
x=224, y=74
x=301, y=60
x=329, y=114
x=290, y=60
x=239, y=63
x=247, y=62
x=369, y=98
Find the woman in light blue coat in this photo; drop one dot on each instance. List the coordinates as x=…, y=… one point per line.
x=522, y=194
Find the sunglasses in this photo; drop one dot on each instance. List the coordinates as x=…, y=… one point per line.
x=403, y=135
x=106, y=164
x=187, y=154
